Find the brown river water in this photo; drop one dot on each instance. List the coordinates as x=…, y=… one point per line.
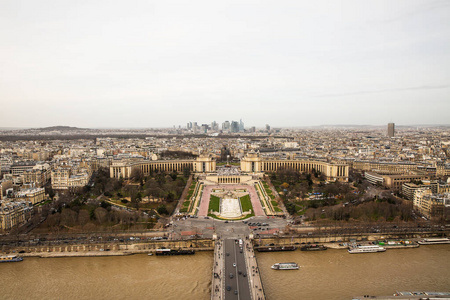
x=331, y=274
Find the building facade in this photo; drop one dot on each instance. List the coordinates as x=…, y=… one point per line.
x=37, y=177
x=65, y=177
x=33, y=195
x=14, y=213
x=431, y=205
x=385, y=167
x=394, y=181
x=391, y=130
x=126, y=169
x=251, y=163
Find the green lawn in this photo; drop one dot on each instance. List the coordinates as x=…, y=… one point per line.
x=274, y=203
x=231, y=163
x=191, y=190
x=43, y=203
x=246, y=203
x=214, y=203
x=268, y=190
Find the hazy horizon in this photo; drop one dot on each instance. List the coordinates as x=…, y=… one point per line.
x=378, y=126
x=148, y=64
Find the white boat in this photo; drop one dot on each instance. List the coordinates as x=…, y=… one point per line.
x=285, y=266
x=150, y=254
x=434, y=241
x=366, y=249
x=10, y=258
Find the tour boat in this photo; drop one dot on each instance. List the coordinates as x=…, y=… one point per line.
x=366, y=249
x=434, y=241
x=285, y=266
x=10, y=258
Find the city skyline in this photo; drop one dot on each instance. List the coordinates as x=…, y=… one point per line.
x=249, y=126
x=151, y=65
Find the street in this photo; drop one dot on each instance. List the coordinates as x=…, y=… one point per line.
x=236, y=279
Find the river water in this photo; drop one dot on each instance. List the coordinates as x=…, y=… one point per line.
x=336, y=274
x=331, y=274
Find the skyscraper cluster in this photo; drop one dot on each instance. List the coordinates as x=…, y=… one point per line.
x=227, y=127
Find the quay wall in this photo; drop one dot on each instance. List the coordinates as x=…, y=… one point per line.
x=106, y=249
x=290, y=240
x=127, y=248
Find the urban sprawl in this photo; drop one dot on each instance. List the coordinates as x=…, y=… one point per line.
x=306, y=175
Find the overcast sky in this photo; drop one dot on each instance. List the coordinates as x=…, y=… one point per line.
x=162, y=63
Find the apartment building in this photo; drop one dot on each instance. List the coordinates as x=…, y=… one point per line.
x=14, y=213
x=431, y=205
x=65, y=177
x=33, y=195
x=38, y=177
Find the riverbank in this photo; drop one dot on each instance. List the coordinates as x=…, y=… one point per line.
x=108, y=249
x=86, y=253
x=93, y=253
x=123, y=249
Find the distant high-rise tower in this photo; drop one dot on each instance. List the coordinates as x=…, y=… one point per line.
x=391, y=129
x=226, y=126
x=234, y=126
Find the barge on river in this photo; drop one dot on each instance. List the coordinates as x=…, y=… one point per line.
x=313, y=247
x=434, y=241
x=275, y=248
x=174, y=252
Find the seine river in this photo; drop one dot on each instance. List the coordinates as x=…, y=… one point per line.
x=331, y=274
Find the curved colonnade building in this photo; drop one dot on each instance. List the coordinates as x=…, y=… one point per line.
x=251, y=163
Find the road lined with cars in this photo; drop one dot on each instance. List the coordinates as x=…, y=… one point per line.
x=236, y=280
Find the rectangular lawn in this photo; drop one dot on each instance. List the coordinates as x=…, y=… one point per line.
x=214, y=203
x=246, y=203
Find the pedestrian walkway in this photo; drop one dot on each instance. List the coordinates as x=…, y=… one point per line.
x=217, y=286
x=256, y=287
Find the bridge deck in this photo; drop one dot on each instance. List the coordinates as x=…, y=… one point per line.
x=235, y=272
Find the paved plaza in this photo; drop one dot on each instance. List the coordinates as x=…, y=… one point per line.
x=208, y=189
x=230, y=208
